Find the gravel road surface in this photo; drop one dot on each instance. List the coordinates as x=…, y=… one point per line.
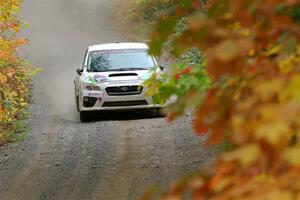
x=117, y=155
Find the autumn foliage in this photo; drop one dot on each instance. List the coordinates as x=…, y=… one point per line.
x=14, y=78
x=252, y=54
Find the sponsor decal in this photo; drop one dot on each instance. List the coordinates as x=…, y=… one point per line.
x=94, y=94
x=91, y=80
x=116, y=51
x=100, y=78
x=96, y=79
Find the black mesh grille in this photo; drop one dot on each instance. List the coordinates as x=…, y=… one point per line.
x=124, y=90
x=125, y=103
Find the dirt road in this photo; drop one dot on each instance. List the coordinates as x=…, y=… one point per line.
x=118, y=155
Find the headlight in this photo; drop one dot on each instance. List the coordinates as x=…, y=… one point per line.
x=91, y=87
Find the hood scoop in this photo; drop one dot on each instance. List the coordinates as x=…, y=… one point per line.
x=122, y=74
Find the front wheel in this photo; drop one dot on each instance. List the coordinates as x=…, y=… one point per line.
x=84, y=116
x=161, y=112
x=77, y=103
x=158, y=112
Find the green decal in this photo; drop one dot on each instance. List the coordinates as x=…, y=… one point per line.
x=91, y=80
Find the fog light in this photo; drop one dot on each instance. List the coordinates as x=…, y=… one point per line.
x=86, y=99
x=89, y=101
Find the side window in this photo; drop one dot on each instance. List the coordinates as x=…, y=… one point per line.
x=84, y=59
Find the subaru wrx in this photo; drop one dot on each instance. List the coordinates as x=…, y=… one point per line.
x=112, y=77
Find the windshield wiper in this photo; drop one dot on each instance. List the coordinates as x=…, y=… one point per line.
x=137, y=68
x=128, y=69
x=119, y=69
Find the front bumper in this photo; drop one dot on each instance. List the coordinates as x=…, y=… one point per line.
x=101, y=100
x=122, y=108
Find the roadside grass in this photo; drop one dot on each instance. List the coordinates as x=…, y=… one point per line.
x=19, y=132
x=20, y=127
x=16, y=131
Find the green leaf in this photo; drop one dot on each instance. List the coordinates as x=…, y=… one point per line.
x=156, y=46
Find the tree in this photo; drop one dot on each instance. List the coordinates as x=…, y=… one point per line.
x=14, y=79
x=252, y=55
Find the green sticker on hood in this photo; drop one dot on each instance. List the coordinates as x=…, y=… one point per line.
x=91, y=80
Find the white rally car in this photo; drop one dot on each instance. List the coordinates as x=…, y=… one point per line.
x=112, y=78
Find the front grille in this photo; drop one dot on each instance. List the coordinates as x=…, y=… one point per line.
x=124, y=103
x=124, y=90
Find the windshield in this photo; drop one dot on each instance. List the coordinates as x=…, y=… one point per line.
x=119, y=60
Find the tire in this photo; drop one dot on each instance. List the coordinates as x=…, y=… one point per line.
x=160, y=112
x=77, y=103
x=84, y=116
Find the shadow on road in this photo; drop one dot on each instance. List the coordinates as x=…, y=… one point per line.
x=122, y=115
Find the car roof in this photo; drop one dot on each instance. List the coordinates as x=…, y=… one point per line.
x=118, y=45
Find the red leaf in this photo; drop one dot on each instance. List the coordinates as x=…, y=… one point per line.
x=187, y=70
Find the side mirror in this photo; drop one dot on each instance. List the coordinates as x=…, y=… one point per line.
x=162, y=67
x=79, y=71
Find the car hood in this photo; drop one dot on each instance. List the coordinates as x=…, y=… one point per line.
x=112, y=76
